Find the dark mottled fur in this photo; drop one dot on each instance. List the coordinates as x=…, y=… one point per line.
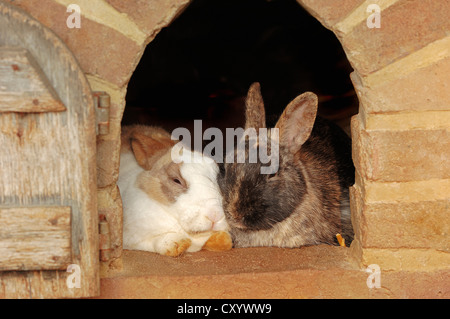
x=301, y=204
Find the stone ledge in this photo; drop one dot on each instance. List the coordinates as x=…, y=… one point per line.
x=307, y=272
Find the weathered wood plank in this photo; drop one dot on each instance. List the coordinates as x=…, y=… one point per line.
x=23, y=85
x=49, y=159
x=35, y=238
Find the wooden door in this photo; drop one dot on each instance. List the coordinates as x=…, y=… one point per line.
x=48, y=196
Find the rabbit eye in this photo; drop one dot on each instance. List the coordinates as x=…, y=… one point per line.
x=176, y=180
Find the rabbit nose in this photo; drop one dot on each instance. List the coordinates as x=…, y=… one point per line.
x=213, y=222
x=213, y=216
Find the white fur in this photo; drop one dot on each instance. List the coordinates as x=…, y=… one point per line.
x=152, y=226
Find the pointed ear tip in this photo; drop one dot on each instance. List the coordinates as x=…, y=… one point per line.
x=309, y=97
x=255, y=86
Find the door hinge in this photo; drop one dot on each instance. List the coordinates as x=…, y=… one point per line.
x=104, y=240
x=102, y=102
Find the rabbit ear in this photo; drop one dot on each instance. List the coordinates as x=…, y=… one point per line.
x=145, y=148
x=254, y=108
x=297, y=121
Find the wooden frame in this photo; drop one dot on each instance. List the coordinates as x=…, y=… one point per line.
x=48, y=159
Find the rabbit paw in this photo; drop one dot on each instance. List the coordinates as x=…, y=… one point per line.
x=178, y=247
x=219, y=241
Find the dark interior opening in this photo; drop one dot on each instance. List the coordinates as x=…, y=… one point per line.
x=202, y=64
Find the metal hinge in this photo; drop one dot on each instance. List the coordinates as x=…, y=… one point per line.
x=104, y=240
x=102, y=102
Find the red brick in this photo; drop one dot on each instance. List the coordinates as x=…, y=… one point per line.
x=327, y=12
x=421, y=224
x=406, y=27
x=151, y=15
x=399, y=156
x=424, y=89
x=100, y=50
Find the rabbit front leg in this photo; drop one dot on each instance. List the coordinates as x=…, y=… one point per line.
x=175, y=246
x=170, y=244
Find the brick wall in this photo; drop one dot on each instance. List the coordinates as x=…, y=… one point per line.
x=401, y=136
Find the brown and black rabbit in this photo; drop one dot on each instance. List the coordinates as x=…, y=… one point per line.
x=306, y=201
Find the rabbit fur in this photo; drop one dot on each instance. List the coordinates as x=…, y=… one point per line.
x=306, y=201
x=170, y=205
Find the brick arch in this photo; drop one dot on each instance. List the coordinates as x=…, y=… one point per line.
x=401, y=78
x=401, y=136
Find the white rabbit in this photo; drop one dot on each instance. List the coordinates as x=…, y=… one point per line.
x=168, y=207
